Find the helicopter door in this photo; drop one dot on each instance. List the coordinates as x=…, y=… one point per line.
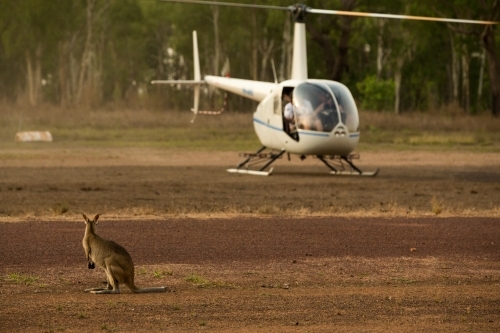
x=288, y=113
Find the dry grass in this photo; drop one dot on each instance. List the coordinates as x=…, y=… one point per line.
x=129, y=127
x=231, y=130
x=28, y=117
x=391, y=211
x=437, y=121
x=433, y=130
x=437, y=206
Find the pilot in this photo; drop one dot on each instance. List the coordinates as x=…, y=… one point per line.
x=289, y=111
x=308, y=116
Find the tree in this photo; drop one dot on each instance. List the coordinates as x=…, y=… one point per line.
x=478, y=9
x=322, y=30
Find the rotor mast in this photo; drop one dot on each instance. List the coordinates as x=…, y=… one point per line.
x=299, y=55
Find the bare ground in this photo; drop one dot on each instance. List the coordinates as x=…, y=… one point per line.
x=414, y=249
x=154, y=183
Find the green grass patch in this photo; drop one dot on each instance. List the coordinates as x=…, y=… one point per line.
x=22, y=278
x=196, y=279
x=162, y=274
x=201, y=282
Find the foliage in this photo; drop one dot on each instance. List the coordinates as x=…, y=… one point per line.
x=92, y=52
x=376, y=94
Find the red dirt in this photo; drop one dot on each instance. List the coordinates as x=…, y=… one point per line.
x=269, y=275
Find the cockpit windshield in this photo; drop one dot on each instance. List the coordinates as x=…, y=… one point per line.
x=322, y=105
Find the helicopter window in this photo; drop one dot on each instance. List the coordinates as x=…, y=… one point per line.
x=347, y=106
x=315, y=107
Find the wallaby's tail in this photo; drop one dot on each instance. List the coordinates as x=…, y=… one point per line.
x=149, y=290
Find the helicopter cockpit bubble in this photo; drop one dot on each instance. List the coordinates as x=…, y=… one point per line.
x=322, y=105
x=347, y=106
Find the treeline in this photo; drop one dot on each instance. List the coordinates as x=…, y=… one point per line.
x=90, y=53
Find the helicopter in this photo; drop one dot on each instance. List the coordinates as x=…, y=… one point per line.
x=300, y=116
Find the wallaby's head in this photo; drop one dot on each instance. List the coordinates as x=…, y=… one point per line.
x=91, y=224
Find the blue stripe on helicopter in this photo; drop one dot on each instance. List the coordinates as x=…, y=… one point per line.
x=313, y=133
x=267, y=125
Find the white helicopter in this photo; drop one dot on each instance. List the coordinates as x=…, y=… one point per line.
x=322, y=119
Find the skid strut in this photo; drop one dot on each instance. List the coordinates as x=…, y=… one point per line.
x=253, y=159
x=343, y=165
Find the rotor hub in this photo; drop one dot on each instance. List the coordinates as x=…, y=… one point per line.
x=299, y=11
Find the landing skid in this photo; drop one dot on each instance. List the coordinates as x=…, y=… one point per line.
x=338, y=165
x=343, y=165
x=250, y=164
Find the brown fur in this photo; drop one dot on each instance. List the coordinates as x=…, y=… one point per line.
x=113, y=258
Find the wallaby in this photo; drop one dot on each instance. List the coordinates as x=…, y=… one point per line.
x=115, y=260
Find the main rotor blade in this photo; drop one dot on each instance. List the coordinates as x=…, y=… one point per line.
x=401, y=17
x=297, y=7
x=200, y=2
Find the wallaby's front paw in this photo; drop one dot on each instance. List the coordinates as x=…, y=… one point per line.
x=91, y=265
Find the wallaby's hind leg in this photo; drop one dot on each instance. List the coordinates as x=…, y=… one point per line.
x=116, y=290
x=113, y=286
x=108, y=287
x=93, y=290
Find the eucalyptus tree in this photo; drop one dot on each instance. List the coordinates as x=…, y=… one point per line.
x=30, y=34
x=486, y=35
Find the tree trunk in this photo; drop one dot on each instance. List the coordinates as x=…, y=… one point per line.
x=63, y=73
x=85, y=55
x=266, y=48
x=465, y=79
x=285, y=68
x=254, y=51
x=480, y=83
x=34, y=75
x=380, y=48
x=322, y=38
x=38, y=73
x=335, y=66
x=345, y=36
x=397, y=84
x=29, y=80
x=455, y=70
x=488, y=38
x=162, y=91
x=74, y=68
x=215, y=20
x=98, y=69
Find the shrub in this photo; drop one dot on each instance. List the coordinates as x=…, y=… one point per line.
x=376, y=94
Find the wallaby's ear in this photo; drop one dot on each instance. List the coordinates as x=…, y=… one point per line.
x=96, y=218
x=86, y=218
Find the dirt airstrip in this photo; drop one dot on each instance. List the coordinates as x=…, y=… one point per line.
x=415, y=249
